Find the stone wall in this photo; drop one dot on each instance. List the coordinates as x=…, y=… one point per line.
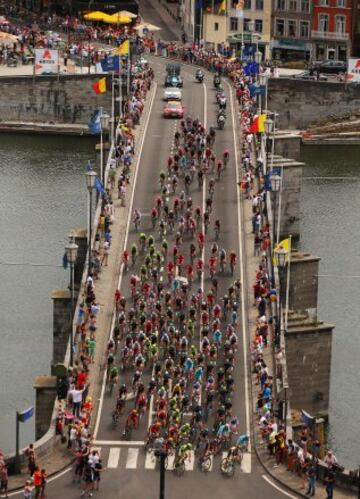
x=302, y=103
x=308, y=358
x=45, y=387
x=67, y=99
x=303, y=290
x=288, y=146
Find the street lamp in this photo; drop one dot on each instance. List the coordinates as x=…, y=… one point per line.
x=90, y=182
x=161, y=454
x=269, y=127
x=104, y=121
x=71, y=251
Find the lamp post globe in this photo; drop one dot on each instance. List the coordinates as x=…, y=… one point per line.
x=71, y=250
x=269, y=125
x=90, y=180
x=105, y=120
x=281, y=257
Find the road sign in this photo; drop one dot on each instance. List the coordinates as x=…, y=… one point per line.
x=26, y=415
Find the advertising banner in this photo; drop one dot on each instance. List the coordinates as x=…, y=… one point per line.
x=353, y=72
x=46, y=62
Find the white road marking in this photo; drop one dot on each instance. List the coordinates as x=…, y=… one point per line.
x=119, y=443
x=278, y=488
x=150, y=461
x=246, y=463
x=241, y=262
x=170, y=462
x=132, y=457
x=114, y=456
x=98, y=416
x=189, y=463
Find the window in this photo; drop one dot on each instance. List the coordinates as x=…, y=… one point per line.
x=293, y=5
x=305, y=6
x=258, y=25
x=291, y=29
x=281, y=4
x=324, y=3
x=246, y=24
x=304, y=29
x=216, y=26
x=233, y=23
x=259, y=4
x=340, y=24
x=341, y=3
x=323, y=22
x=247, y=4
x=280, y=27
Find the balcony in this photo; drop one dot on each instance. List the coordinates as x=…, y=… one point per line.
x=330, y=35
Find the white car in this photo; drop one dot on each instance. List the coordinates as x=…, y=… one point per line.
x=172, y=93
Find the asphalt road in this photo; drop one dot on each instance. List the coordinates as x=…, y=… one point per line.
x=130, y=473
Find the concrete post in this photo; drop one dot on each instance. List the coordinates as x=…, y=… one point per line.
x=290, y=206
x=45, y=387
x=61, y=323
x=80, y=236
x=304, y=282
x=308, y=345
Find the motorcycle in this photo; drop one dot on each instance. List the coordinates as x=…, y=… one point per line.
x=216, y=82
x=199, y=77
x=221, y=121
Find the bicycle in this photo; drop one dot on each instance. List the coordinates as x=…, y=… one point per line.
x=228, y=464
x=205, y=462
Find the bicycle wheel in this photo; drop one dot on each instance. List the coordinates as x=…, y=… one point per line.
x=205, y=463
x=179, y=469
x=227, y=467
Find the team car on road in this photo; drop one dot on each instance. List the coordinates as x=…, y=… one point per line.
x=173, y=109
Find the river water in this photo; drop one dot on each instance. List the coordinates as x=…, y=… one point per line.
x=330, y=229
x=42, y=197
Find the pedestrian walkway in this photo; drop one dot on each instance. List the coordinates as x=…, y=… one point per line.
x=134, y=458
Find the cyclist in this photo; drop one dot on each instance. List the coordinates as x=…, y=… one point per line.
x=125, y=260
x=232, y=259
x=132, y=420
x=137, y=219
x=217, y=229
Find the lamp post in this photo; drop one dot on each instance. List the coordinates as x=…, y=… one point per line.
x=90, y=182
x=71, y=250
x=104, y=121
x=162, y=454
x=263, y=83
x=269, y=126
x=251, y=28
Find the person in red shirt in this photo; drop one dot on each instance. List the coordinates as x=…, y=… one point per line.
x=37, y=482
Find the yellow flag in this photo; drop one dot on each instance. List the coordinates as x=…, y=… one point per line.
x=261, y=122
x=222, y=7
x=284, y=244
x=123, y=49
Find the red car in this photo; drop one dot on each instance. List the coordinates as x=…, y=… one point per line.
x=173, y=109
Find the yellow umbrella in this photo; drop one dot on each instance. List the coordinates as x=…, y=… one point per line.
x=118, y=19
x=96, y=16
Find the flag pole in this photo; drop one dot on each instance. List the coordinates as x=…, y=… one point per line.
x=101, y=148
x=288, y=286
x=120, y=90
x=112, y=107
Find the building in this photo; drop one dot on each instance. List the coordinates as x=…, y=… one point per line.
x=291, y=29
x=247, y=34
x=254, y=28
x=332, y=29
